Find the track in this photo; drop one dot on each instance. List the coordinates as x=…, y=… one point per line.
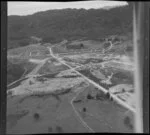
x=80, y=118
x=42, y=62
x=95, y=84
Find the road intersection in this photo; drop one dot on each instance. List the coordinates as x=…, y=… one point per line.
x=92, y=82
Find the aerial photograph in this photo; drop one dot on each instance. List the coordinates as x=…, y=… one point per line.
x=70, y=67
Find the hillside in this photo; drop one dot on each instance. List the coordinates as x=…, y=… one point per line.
x=56, y=25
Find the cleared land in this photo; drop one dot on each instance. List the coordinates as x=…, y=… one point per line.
x=55, y=98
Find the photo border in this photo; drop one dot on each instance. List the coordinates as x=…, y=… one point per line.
x=146, y=68
x=3, y=95
x=145, y=26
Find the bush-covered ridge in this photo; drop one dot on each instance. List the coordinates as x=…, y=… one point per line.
x=55, y=25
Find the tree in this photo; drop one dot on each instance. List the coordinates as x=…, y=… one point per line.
x=84, y=109
x=108, y=95
x=127, y=122
x=36, y=116
x=81, y=45
x=30, y=82
x=89, y=96
x=59, y=129
x=123, y=90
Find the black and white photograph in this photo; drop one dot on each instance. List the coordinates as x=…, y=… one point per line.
x=70, y=67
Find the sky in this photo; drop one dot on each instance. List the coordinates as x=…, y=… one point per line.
x=28, y=8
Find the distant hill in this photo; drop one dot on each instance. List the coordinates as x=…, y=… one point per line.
x=55, y=25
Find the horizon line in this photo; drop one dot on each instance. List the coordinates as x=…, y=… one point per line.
x=30, y=8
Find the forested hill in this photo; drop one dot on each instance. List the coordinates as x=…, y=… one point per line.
x=56, y=25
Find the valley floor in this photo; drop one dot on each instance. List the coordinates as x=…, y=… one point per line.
x=87, y=92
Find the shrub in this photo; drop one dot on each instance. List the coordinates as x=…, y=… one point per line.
x=108, y=95
x=30, y=82
x=89, y=96
x=59, y=129
x=127, y=122
x=84, y=109
x=36, y=116
x=77, y=101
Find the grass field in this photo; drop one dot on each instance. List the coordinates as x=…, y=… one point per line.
x=45, y=113
x=47, y=105
x=29, y=51
x=52, y=66
x=101, y=112
x=17, y=68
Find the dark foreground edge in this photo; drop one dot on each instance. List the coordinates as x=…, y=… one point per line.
x=3, y=68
